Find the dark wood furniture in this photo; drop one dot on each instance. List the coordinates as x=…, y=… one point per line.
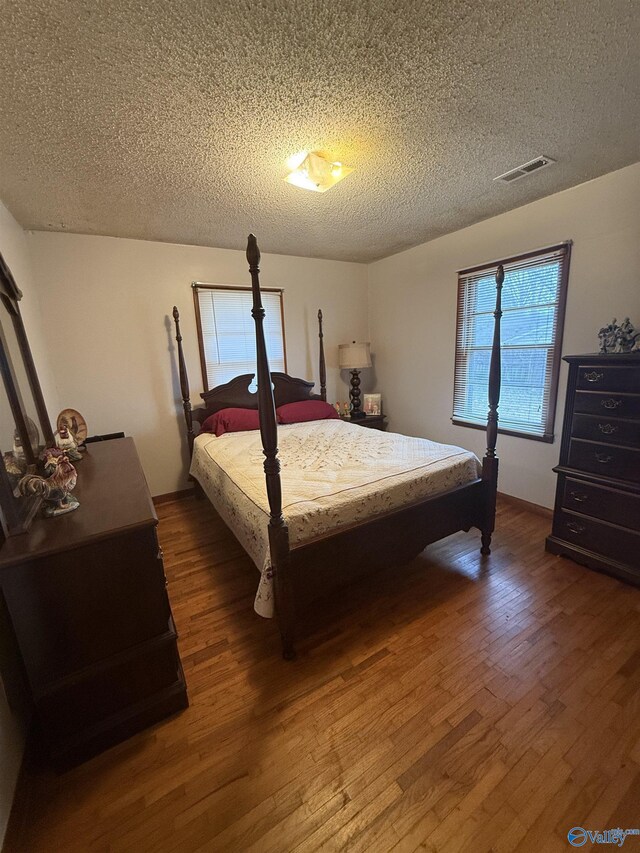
x=86, y=602
x=370, y=421
x=387, y=540
x=596, y=519
x=19, y=448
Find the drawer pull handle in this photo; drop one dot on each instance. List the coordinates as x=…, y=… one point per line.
x=576, y=527
x=608, y=429
x=604, y=458
x=579, y=497
x=610, y=403
x=594, y=376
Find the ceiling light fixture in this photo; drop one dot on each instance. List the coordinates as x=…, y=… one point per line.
x=314, y=172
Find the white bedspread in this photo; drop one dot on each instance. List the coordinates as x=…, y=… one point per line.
x=334, y=475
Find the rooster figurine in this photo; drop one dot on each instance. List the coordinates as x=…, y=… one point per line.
x=66, y=442
x=56, y=488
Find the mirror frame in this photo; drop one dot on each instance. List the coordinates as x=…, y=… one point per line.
x=16, y=514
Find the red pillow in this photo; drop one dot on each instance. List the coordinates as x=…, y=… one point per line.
x=231, y=420
x=306, y=410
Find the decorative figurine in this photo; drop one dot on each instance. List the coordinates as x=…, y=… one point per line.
x=619, y=338
x=34, y=439
x=16, y=467
x=67, y=443
x=336, y=406
x=345, y=410
x=56, y=487
x=75, y=423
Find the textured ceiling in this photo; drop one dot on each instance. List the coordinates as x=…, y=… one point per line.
x=173, y=120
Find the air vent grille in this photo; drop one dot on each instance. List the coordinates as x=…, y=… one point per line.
x=525, y=169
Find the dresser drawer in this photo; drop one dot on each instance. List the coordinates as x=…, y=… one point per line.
x=608, y=378
x=618, y=405
x=95, y=696
x=607, y=429
x=620, y=463
x=92, y=602
x=614, y=542
x=612, y=505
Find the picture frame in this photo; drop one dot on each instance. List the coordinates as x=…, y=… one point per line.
x=372, y=404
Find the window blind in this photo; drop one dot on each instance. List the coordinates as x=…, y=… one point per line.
x=533, y=298
x=228, y=336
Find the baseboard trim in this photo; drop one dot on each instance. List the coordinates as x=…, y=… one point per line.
x=173, y=496
x=522, y=504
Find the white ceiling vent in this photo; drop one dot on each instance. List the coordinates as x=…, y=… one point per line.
x=526, y=169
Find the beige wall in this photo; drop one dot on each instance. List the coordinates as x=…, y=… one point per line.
x=109, y=335
x=412, y=311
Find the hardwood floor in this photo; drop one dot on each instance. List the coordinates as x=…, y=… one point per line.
x=450, y=706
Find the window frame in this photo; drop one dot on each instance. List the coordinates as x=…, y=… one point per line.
x=556, y=351
x=200, y=285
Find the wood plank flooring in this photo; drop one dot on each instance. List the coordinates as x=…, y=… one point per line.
x=448, y=706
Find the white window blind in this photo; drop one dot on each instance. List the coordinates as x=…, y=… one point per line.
x=533, y=298
x=228, y=336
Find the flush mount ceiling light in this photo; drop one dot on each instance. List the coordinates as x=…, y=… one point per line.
x=314, y=172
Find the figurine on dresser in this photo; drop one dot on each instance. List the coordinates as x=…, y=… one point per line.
x=56, y=487
x=619, y=338
x=68, y=444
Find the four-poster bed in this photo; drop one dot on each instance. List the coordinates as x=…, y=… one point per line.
x=421, y=493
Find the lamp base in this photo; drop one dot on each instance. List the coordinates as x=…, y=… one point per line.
x=358, y=416
x=354, y=395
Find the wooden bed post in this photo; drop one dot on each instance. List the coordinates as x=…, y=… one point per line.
x=323, y=367
x=184, y=382
x=278, y=530
x=490, y=461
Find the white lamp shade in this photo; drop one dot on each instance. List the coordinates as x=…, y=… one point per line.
x=354, y=356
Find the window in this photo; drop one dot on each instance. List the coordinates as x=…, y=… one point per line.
x=227, y=332
x=533, y=301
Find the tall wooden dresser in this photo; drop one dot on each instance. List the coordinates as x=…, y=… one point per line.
x=596, y=519
x=85, y=599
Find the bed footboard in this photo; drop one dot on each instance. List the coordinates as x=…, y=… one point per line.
x=473, y=505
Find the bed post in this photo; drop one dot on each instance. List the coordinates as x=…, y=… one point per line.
x=278, y=530
x=184, y=382
x=490, y=461
x=323, y=367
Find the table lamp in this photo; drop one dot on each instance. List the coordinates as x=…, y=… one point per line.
x=354, y=357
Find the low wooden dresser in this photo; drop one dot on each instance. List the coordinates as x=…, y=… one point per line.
x=85, y=599
x=596, y=519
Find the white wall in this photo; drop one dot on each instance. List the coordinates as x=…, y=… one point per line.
x=412, y=311
x=111, y=339
x=13, y=245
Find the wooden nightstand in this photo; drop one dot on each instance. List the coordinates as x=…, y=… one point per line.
x=371, y=421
